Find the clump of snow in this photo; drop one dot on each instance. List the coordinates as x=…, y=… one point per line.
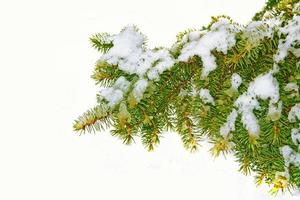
x=139, y=89
x=292, y=32
x=236, y=81
x=113, y=96
x=295, y=158
x=229, y=125
x=161, y=61
x=220, y=37
x=115, y=93
x=286, y=151
x=206, y=97
x=122, y=83
x=126, y=45
x=294, y=113
x=194, y=35
x=290, y=156
x=152, y=74
x=263, y=87
x=130, y=55
x=258, y=30
x=246, y=105
x=291, y=86
x=296, y=136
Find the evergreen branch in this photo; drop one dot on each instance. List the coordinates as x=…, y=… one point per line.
x=237, y=85
x=101, y=42
x=95, y=119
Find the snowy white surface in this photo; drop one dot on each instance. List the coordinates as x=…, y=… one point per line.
x=290, y=156
x=258, y=30
x=291, y=86
x=221, y=37
x=115, y=94
x=46, y=63
x=236, y=81
x=139, y=88
x=263, y=87
x=122, y=83
x=294, y=113
x=292, y=30
x=130, y=54
x=230, y=123
x=206, y=96
x=296, y=136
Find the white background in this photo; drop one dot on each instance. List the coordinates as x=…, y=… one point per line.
x=46, y=62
